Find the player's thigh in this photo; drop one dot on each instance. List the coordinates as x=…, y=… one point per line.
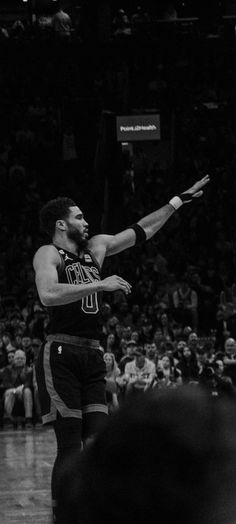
x=59, y=378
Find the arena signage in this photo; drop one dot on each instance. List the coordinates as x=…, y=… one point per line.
x=138, y=127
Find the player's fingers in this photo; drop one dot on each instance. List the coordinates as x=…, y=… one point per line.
x=198, y=194
x=201, y=183
x=204, y=181
x=126, y=287
x=121, y=280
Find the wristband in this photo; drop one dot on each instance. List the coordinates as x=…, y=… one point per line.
x=176, y=202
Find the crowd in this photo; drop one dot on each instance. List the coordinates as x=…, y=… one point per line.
x=153, y=347
x=183, y=281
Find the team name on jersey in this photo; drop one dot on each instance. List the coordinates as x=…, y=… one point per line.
x=78, y=274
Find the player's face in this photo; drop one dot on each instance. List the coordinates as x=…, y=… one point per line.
x=77, y=227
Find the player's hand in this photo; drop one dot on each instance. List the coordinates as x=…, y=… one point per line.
x=195, y=191
x=115, y=282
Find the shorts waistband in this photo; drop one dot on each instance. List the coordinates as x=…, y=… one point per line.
x=75, y=341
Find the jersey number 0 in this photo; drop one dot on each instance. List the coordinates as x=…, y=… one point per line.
x=90, y=304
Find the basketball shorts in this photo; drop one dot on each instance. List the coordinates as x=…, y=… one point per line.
x=70, y=374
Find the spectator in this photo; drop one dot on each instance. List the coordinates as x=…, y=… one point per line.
x=219, y=369
x=112, y=373
x=135, y=336
x=230, y=359
x=3, y=355
x=158, y=339
x=121, y=24
x=36, y=324
x=17, y=382
x=193, y=342
x=18, y=339
x=185, y=305
x=116, y=348
x=17, y=30
x=61, y=23
x=170, y=12
x=139, y=373
x=7, y=341
x=216, y=384
x=110, y=343
x=151, y=352
x=139, y=21
x=165, y=327
x=168, y=375
x=3, y=33
x=10, y=357
x=180, y=345
x=146, y=332
x=28, y=350
x=188, y=365
x=127, y=333
x=225, y=323
x=135, y=309
x=131, y=347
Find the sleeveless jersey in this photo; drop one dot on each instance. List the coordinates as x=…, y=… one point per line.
x=80, y=318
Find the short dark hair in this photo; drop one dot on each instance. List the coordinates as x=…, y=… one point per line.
x=54, y=210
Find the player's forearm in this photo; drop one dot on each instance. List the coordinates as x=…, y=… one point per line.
x=61, y=294
x=153, y=222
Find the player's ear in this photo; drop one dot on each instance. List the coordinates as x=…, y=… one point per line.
x=60, y=224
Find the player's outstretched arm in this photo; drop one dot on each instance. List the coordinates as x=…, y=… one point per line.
x=153, y=222
x=146, y=227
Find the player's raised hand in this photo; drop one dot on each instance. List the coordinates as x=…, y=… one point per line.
x=115, y=282
x=195, y=191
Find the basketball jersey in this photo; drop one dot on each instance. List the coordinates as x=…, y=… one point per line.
x=80, y=318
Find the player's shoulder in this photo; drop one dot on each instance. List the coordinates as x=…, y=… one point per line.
x=98, y=241
x=47, y=252
x=97, y=245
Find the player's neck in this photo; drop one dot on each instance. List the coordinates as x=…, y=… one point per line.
x=66, y=244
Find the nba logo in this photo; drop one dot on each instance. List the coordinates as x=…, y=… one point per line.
x=59, y=350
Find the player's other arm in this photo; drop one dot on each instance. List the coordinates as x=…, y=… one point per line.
x=52, y=293
x=147, y=226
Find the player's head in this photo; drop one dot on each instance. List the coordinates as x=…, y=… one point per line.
x=61, y=216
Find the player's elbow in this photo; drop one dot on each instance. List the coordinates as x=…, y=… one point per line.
x=46, y=298
x=45, y=301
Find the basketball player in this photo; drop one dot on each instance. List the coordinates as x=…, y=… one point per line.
x=70, y=368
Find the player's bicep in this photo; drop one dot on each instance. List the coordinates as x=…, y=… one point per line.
x=107, y=245
x=46, y=275
x=121, y=241
x=45, y=279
